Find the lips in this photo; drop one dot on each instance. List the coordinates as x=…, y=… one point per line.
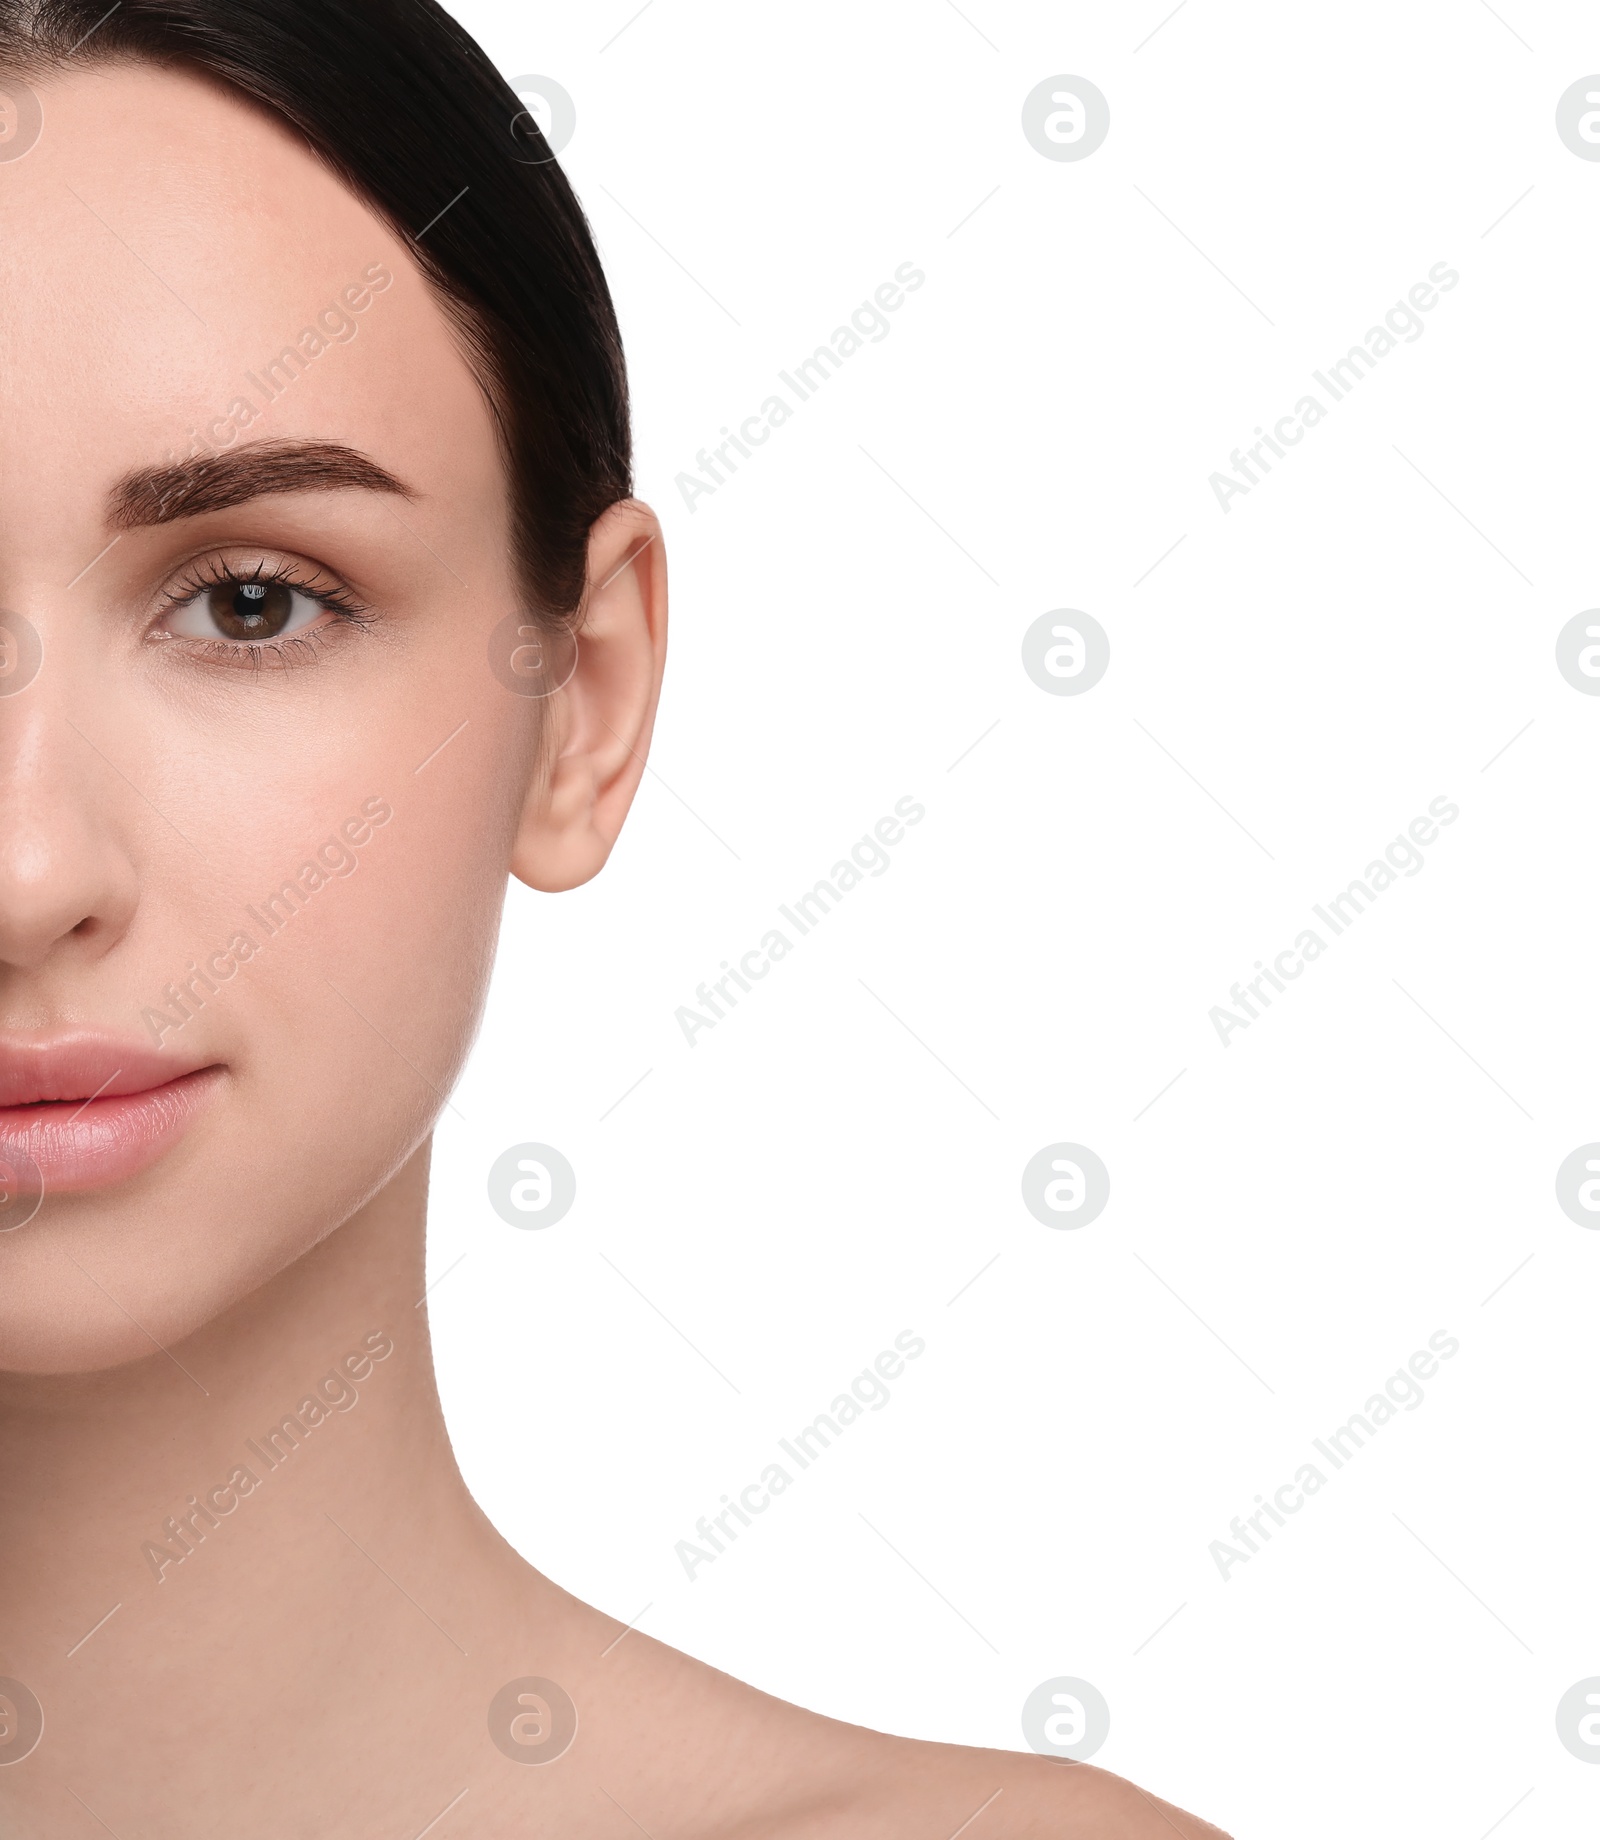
x=83, y=1111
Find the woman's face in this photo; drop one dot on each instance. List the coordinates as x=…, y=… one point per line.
x=259, y=786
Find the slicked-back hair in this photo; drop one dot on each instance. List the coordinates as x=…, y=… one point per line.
x=407, y=110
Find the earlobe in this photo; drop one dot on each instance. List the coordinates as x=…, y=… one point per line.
x=600, y=720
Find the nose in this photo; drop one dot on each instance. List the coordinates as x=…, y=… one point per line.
x=66, y=881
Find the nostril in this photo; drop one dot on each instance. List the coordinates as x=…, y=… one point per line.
x=37, y=921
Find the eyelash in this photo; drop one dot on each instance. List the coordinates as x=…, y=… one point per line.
x=284, y=653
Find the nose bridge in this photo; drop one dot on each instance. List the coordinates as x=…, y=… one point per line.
x=65, y=872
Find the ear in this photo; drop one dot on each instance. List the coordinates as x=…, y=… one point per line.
x=600, y=720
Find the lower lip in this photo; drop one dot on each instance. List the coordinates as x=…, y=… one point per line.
x=76, y=1144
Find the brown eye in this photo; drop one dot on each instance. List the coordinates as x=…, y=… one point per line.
x=250, y=609
x=244, y=611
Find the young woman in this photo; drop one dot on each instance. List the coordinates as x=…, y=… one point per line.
x=314, y=460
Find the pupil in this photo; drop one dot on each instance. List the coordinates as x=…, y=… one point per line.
x=251, y=609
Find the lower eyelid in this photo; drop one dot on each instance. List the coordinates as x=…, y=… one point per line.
x=302, y=645
x=292, y=649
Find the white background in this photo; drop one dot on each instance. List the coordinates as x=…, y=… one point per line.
x=1367, y=1164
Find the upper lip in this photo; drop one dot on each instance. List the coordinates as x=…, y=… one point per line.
x=41, y=1069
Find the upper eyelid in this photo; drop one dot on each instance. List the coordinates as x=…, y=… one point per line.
x=211, y=570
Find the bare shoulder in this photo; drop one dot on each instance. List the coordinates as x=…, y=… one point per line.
x=771, y=1770
x=1043, y=1796
x=893, y=1786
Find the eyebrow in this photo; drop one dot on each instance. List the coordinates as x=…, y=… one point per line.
x=215, y=482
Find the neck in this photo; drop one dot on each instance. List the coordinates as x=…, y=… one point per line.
x=221, y=1520
x=322, y=1371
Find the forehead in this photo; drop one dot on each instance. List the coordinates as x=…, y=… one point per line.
x=162, y=247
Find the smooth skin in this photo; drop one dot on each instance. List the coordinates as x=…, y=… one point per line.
x=323, y=1665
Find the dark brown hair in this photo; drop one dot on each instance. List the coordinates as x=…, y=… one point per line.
x=406, y=108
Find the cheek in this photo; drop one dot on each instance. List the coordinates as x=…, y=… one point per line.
x=359, y=838
x=387, y=964
x=359, y=1009
x=343, y=1028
